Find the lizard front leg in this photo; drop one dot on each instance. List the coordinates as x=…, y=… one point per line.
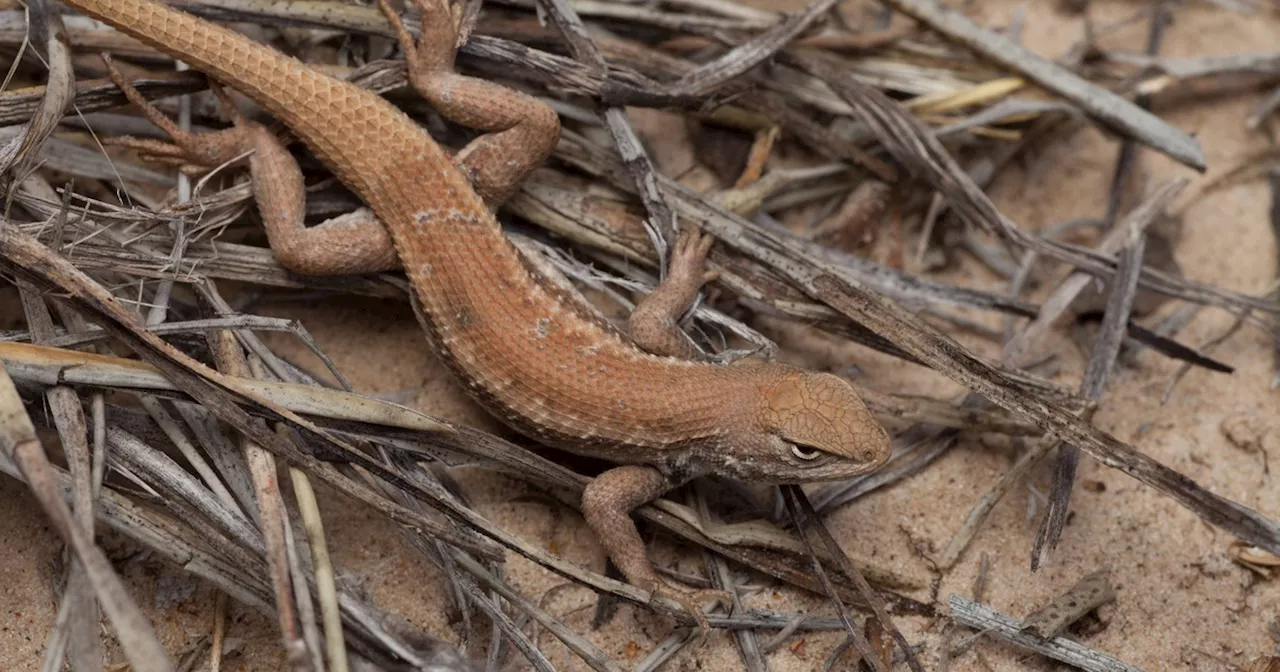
x=350, y=244
x=654, y=324
x=607, y=503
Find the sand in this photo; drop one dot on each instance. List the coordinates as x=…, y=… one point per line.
x=1180, y=604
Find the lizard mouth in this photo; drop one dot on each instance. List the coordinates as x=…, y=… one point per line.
x=824, y=468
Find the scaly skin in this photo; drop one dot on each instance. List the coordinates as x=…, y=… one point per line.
x=538, y=360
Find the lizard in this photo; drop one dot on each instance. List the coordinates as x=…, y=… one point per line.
x=527, y=351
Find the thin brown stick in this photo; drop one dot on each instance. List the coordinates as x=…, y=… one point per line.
x=1107, y=107
x=24, y=257
x=271, y=515
x=804, y=520
x=991, y=622
x=19, y=444
x=1101, y=360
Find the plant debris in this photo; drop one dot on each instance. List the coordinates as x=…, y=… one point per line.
x=180, y=444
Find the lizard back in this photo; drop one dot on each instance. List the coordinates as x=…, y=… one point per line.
x=522, y=349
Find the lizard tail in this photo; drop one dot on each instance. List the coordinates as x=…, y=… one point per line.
x=329, y=115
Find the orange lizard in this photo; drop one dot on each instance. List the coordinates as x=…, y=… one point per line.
x=535, y=357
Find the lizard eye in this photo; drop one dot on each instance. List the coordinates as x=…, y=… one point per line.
x=805, y=452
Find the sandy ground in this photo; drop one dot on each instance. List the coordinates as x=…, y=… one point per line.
x=1181, y=603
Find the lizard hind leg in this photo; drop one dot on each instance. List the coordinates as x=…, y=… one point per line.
x=352, y=243
x=607, y=503
x=520, y=130
x=204, y=149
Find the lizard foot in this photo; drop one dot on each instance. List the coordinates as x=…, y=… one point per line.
x=693, y=601
x=689, y=259
x=436, y=47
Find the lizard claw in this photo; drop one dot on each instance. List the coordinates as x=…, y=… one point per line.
x=693, y=601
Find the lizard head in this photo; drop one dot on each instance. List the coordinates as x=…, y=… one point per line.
x=813, y=427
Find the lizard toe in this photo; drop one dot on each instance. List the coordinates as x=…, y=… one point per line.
x=694, y=602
